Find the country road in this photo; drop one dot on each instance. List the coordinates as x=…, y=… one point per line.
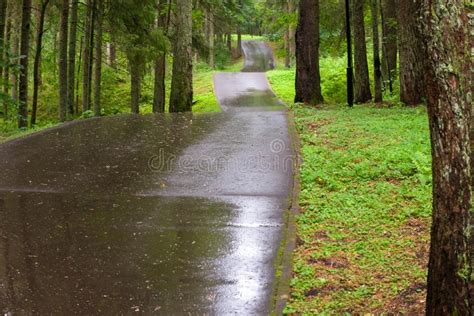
x=168, y=214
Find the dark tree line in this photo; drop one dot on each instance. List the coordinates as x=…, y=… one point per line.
x=84, y=36
x=395, y=40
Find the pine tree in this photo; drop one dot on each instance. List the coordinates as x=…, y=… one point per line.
x=62, y=66
x=24, y=51
x=181, y=98
x=308, y=87
x=362, y=83
x=448, y=81
x=412, y=84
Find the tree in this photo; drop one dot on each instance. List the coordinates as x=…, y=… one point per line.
x=72, y=57
x=361, y=73
x=181, y=98
x=15, y=47
x=287, y=38
x=308, y=87
x=6, y=57
x=62, y=66
x=134, y=30
x=86, y=73
x=24, y=52
x=3, y=22
x=98, y=57
x=37, y=59
x=389, y=39
x=163, y=20
x=376, y=51
x=210, y=35
x=412, y=85
x=445, y=31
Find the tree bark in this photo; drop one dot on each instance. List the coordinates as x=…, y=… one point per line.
x=362, y=92
x=239, y=42
x=389, y=41
x=98, y=57
x=286, y=39
x=412, y=85
x=159, y=97
x=6, y=57
x=181, y=98
x=14, y=74
x=136, y=78
x=86, y=75
x=72, y=58
x=378, y=98
x=24, y=51
x=291, y=9
x=448, y=65
x=37, y=61
x=112, y=54
x=229, y=43
x=63, y=73
x=308, y=87
x=3, y=18
x=211, y=39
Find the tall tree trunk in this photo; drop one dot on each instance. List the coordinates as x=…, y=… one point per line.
x=308, y=87
x=78, y=80
x=286, y=39
x=136, y=78
x=412, y=85
x=229, y=43
x=112, y=54
x=6, y=57
x=376, y=51
x=181, y=99
x=389, y=40
x=14, y=74
x=362, y=83
x=86, y=73
x=37, y=64
x=24, y=51
x=448, y=66
x=291, y=39
x=72, y=57
x=92, y=44
x=239, y=42
x=3, y=18
x=211, y=38
x=159, y=97
x=159, y=89
x=63, y=83
x=98, y=57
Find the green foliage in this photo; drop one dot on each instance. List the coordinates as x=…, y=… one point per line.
x=131, y=27
x=366, y=205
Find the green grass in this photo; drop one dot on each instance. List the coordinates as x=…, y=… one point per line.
x=363, y=231
x=366, y=205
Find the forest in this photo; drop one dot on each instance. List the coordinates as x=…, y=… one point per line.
x=379, y=93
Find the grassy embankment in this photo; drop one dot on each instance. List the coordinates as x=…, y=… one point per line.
x=363, y=231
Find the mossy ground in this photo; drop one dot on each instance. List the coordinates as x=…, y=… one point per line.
x=363, y=231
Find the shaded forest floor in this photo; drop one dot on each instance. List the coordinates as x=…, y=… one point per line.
x=363, y=232
x=366, y=203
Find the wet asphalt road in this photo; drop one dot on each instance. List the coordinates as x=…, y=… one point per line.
x=169, y=214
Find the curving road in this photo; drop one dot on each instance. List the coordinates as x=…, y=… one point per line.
x=168, y=214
